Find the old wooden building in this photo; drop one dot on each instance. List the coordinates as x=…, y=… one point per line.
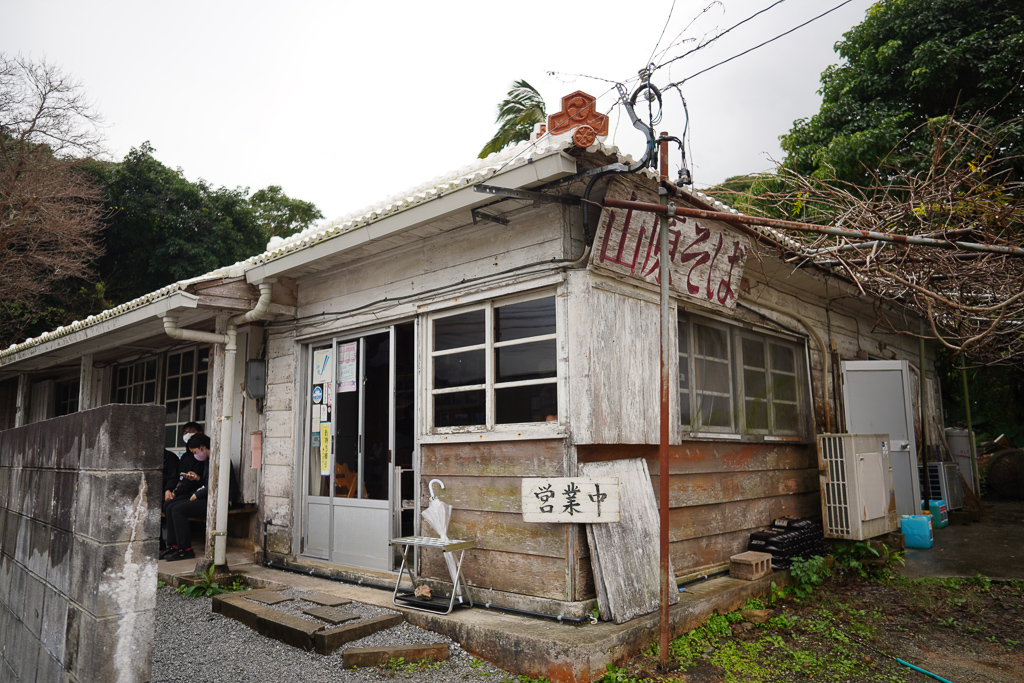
x=478, y=339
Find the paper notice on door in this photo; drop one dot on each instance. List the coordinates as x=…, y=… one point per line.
x=322, y=366
x=325, y=449
x=347, y=363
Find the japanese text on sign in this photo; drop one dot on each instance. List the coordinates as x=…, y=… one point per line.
x=571, y=499
x=706, y=258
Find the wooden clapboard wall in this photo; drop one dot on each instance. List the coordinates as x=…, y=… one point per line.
x=483, y=484
x=720, y=492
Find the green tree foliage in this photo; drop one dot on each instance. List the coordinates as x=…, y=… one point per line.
x=278, y=215
x=162, y=228
x=516, y=117
x=908, y=62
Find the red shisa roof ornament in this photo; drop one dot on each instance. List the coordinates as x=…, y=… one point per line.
x=579, y=113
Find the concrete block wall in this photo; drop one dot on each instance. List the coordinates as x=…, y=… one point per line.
x=80, y=500
x=279, y=442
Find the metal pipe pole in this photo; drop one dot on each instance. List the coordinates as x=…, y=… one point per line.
x=809, y=227
x=663, y=274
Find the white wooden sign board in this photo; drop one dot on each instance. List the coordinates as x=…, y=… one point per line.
x=587, y=500
x=706, y=258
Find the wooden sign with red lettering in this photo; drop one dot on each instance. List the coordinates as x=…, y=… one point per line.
x=705, y=257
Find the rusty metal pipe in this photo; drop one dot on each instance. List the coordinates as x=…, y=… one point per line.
x=809, y=227
x=663, y=275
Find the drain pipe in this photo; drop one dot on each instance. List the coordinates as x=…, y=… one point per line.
x=228, y=340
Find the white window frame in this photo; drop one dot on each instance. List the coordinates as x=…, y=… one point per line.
x=489, y=386
x=739, y=428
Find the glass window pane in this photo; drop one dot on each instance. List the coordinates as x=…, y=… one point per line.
x=533, y=360
x=186, y=386
x=526, y=319
x=122, y=376
x=784, y=388
x=122, y=395
x=173, y=364
x=170, y=431
x=456, y=331
x=783, y=358
x=151, y=369
x=201, y=384
x=460, y=408
x=786, y=418
x=204, y=357
x=534, y=403
x=685, y=416
x=753, y=353
x=200, y=410
x=460, y=369
x=713, y=376
x=172, y=411
x=755, y=384
x=172, y=388
x=187, y=361
x=149, y=395
x=715, y=411
x=184, y=411
x=757, y=415
x=712, y=342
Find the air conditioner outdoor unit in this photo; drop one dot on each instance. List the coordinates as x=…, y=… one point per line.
x=944, y=482
x=858, y=500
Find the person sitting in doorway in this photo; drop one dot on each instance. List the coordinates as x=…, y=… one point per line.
x=190, y=500
x=175, y=466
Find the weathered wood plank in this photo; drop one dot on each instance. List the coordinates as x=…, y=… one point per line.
x=719, y=518
x=624, y=556
x=698, y=553
x=511, y=572
x=585, y=589
x=694, y=457
x=486, y=494
x=705, y=489
x=508, y=532
x=540, y=458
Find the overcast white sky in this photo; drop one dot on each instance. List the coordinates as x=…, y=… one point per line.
x=344, y=104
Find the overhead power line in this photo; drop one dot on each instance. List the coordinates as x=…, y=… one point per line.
x=770, y=40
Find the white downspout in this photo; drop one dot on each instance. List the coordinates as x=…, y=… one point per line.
x=220, y=532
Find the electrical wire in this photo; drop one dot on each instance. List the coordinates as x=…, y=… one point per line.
x=770, y=40
x=663, y=29
x=703, y=45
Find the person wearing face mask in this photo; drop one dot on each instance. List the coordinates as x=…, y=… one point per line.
x=189, y=500
x=175, y=466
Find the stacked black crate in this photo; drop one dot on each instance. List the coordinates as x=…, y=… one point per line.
x=789, y=538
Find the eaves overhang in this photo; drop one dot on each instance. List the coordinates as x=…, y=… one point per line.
x=331, y=243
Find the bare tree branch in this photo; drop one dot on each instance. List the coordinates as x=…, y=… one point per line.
x=49, y=211
x=961, y=188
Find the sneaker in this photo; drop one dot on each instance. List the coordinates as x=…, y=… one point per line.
x=186, y=554
x=167, y=552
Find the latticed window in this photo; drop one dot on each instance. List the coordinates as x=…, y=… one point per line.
x=495, y=364
x=737, y=381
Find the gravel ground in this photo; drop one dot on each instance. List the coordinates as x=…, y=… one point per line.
x=195, y=645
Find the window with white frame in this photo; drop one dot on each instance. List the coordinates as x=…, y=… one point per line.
x=739, y=381
x=136, y=383
x=185, y=376
x=494, y=364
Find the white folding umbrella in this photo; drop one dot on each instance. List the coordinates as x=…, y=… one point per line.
x=437, y=515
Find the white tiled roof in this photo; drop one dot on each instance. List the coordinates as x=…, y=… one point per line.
x=479, y=170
